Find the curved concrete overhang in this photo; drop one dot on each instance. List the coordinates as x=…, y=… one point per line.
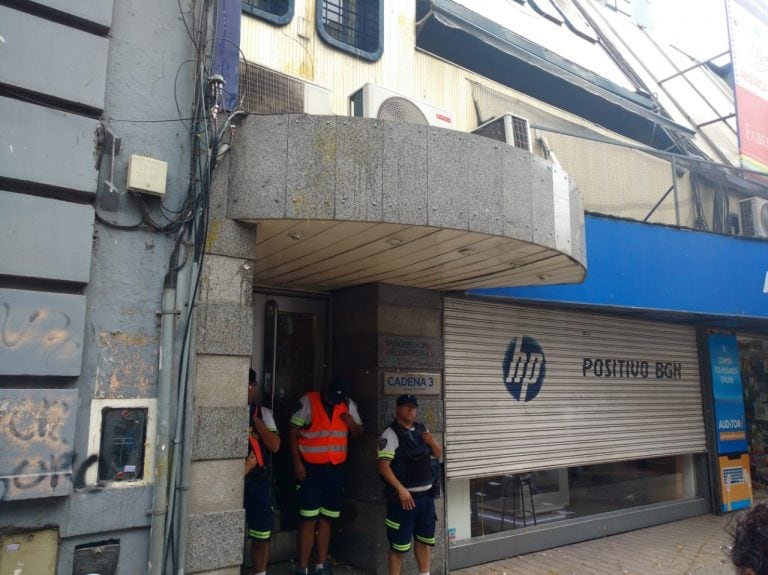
x=340, y=201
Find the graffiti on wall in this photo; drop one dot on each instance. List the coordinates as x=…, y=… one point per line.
x=41, y=333
x=37, y=430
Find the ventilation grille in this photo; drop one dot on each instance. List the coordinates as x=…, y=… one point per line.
x=521, y=133
x=401, y=110
x=264, y=91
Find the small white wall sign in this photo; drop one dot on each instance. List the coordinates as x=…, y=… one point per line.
x=417, y=383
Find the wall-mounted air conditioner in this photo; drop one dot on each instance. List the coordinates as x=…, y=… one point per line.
x=754, y=217
x=372, y=101
x=510, y=129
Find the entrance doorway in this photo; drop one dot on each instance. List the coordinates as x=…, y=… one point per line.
x=290, y=357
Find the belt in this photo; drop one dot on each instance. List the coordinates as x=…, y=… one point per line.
x=417, y=494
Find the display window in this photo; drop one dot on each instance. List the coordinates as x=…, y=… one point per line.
x=524, y=500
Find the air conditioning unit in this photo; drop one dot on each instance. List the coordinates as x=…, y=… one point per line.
x=510, y=129
x=372, y=101
x=266, y=91
x=754, y=217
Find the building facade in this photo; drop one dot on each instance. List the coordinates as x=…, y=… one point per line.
x=313, y=187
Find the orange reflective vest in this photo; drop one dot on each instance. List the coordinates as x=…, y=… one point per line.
x=256, y=450
x=324, y=441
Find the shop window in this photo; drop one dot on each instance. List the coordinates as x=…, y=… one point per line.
x=506, y=502
x=274, y=11
x=122, y=435
x=355, y=26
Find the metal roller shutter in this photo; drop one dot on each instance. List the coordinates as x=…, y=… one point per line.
x=529, y=389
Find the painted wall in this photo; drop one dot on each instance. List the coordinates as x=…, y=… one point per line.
x=614, y=180
x=78, y=298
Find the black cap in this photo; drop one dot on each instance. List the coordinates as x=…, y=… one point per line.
x=251, y=377
x=407, y=399
x=338, y=388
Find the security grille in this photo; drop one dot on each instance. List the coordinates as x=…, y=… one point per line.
x=529, y=389
x=352, y=22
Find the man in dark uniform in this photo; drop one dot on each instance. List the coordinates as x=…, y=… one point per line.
x=262, y=437
x=406, y=449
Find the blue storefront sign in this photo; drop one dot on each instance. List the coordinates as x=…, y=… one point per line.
x=664, y=271
x=730, y=422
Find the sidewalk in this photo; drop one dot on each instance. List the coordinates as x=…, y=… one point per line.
x=695, y=546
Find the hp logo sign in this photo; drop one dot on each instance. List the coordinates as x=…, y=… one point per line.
x=524, y=368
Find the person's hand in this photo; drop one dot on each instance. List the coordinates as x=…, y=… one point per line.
x=427, y=438
x=250, y=462
x=406, y=499
x=347, y=418
x=299, y=471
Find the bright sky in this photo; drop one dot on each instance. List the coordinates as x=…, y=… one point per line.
x=698, y=27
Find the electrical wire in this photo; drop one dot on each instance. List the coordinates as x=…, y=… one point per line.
x=175, y=92
x=205, y=137
x=106, y=222
x=186, y=25
x=115, y=120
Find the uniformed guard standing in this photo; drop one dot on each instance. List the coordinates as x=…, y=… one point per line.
x=262, y=437
x=406, y=449
x=318, y=439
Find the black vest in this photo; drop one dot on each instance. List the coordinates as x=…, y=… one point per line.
x=412, y=463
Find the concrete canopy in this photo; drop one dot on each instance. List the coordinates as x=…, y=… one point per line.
x=340, y=201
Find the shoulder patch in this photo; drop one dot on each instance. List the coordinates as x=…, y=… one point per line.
x=382, y=443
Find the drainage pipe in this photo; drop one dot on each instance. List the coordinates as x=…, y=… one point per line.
x=165, y=375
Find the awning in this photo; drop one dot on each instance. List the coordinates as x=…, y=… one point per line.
x=666, y=274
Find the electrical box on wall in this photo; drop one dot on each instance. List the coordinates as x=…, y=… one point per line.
x=147, y=175
x=96, y=558
x=29, y=552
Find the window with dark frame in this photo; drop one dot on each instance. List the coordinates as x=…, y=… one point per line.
x=352, y=25
x=274, y=11
x=123, y=436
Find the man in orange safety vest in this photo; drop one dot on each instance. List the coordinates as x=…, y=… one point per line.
x=320, y=426
x=262, y=438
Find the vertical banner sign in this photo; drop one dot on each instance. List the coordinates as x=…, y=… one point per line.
x=730, y=423
x=748, y=30
x=226, y=49
x=729, y=401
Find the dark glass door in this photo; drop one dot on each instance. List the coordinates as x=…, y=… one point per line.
x=294, y=362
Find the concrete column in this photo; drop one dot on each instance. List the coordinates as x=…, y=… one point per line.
x=380, y=329
x=224, y=339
